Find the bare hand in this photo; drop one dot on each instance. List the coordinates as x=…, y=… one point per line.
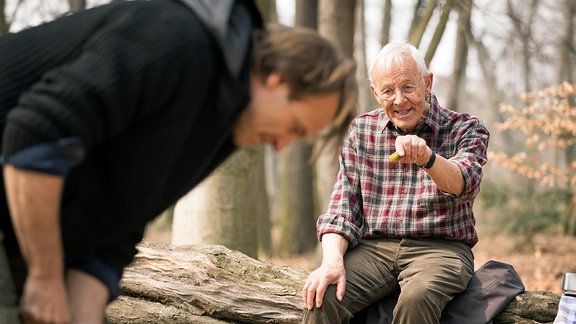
x=413, y=149
x=329, y=273
x=44, y=301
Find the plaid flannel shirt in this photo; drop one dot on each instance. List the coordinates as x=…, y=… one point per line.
x=375, y=198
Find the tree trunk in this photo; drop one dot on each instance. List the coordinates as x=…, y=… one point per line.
x=294, y=201
x=223, y=209
x=566, y=74
x=418, y=28
x=260, y=200
x=212, y=284
x=76, y=5
x=523, y=29
x=336, y=22
x=386, y=22
x=457, y=87
x=306, y=14
x=366, y=100
x=438, y=32
x=567, y=46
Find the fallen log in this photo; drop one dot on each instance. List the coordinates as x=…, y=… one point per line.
x=212, y=284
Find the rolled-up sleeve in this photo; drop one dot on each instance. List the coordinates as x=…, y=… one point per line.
x=471, y=156
x=344, y=214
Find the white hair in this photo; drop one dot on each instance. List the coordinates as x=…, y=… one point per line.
x=392, y=52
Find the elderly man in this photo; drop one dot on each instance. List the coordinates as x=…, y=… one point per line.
x=404, y=225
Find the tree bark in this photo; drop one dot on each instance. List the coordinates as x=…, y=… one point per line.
x=294, y=208
x=306, y=14
x=386, y=23
x=76, y=5
x=212, y=284
x=224, y=208
x=203, y=283
x=439, y=31
x=457, y=86
x=419, y=25
x=336, y=22
x=366, y=100
x=294, y=202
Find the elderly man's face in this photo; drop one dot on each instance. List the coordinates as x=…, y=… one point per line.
x=401, y=91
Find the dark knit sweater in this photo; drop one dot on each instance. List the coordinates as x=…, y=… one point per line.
x=141, y=90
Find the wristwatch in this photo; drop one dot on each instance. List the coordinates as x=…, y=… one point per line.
x=430, y=162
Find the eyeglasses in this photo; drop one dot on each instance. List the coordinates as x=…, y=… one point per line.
x=389, y=92
x=408, y=88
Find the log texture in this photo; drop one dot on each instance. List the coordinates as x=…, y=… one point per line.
x=212, y=284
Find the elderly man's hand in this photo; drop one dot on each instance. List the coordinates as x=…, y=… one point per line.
x=413, y=149
x=331, y=272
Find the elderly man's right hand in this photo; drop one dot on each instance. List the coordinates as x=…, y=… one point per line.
x=330, y=272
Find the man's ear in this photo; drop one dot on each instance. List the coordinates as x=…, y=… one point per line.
x=273, y=80
x=374, y=93
x=429, y=79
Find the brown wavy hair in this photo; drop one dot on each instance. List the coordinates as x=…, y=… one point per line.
x=310, y=64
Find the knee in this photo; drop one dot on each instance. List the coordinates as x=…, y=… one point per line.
x=331, y=311
x=330, y=303
x=420, y=297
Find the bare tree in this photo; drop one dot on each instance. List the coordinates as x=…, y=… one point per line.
x=457, y=87
x=566, y=66
x=567, y=51
x=523, y=32
x=439, y=31
x=386, y=22
x=294, y=201
x=336, y=21
x=223, y=208
x=420, y=21
x=366, y=100
x=306, y=14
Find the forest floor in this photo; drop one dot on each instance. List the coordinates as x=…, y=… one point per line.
x=541, y=260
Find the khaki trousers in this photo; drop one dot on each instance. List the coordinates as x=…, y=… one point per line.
x=8, y=299
x=428, y=273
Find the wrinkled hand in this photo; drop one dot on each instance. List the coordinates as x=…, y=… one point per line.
x=413, y=149
x=329, y=273
x=44, y=300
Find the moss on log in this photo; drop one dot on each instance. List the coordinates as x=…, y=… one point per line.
x=212, y=284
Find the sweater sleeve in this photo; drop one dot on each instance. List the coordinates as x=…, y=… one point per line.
x=128, y=70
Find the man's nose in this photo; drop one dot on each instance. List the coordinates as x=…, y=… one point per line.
x=398, y=96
